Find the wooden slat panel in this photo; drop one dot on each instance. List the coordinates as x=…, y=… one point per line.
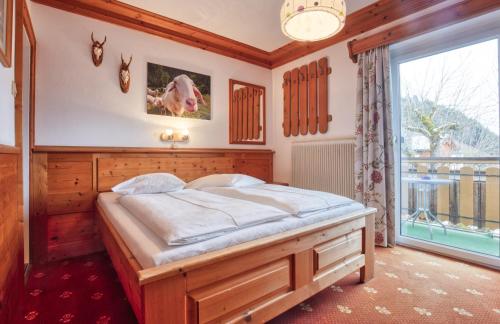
x=323, y=94
x=72, y=202
x=256, y=113
x=492, y=196
x=250, y=112
x=443, y=194
x=245, y=113
x=234, y=117
x=287, y=103
x=303, y=76
x=294, y=111
x=11, y=237
x=466, y=195
x=241, y=291
x=313, y=98
x=38, y=214
x=67, y=228
x=69, y=176
x=240, y=115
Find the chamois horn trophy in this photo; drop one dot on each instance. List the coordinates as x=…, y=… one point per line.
x=97, y=50
x=125, y=75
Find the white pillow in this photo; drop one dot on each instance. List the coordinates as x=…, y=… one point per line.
x=149, y=184
x=223, y=180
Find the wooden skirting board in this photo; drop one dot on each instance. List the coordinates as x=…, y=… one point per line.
x=305, y=99
x=66, y=181
x=358, y=22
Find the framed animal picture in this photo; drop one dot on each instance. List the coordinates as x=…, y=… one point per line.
x=177, y=93
x=6, y=32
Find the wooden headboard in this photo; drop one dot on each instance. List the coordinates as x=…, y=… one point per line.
x=67, y=180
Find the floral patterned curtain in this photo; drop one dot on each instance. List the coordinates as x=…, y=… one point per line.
x=374, y=150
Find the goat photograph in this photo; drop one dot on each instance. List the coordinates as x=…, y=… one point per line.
x=178, y=93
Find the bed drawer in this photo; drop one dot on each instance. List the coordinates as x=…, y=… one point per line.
x=232, y=297
x=329, y=253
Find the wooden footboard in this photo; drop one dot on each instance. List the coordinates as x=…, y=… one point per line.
x=250, y=282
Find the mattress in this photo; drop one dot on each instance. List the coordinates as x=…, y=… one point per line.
x=151, y=251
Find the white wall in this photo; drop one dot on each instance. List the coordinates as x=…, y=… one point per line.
x=7, y=124
x=341, y=105
x=78, y=104
x=341, y=96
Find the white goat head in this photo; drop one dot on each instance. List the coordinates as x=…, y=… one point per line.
x=125, y=75
x=97, y=50
x=182, y=95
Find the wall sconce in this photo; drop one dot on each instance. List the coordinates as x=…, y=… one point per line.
x=175, y=136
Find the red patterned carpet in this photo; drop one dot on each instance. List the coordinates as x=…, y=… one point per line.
x=409, y=287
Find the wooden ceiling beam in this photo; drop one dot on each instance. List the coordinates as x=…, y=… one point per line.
x=370, y=17
x=450, y=15
x=125, y=15
x=361, y=21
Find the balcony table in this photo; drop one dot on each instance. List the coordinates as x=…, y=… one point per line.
x=423, y=200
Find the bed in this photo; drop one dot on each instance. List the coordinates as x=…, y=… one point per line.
x=258, y=275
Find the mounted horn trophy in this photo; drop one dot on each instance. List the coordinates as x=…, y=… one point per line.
x=125, y=75
x=97, y=50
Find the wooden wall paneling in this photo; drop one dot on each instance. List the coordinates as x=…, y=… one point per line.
x=450, y=15
x=245, y=113
x=113, y=170
x=294, y=111
x=11, y=239
x=256, y=113
x=70, y=219
x=287, y=103
x=313, y=98
x=250, y=112
x=38, y=215
x=303, y=79
x=240, y=115
x=323, y=71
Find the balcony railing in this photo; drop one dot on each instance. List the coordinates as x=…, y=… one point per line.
x=470, y=202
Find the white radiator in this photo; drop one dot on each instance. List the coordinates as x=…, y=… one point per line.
x=325, y=166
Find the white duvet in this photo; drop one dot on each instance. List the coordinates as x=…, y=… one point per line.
x=191, y=216
x=296, y=201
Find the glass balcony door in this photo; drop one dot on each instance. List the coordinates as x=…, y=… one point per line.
x=446, y=118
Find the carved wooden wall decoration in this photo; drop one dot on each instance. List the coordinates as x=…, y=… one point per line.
x=305, y=99
x=247, y=113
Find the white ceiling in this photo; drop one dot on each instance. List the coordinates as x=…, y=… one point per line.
x=253, y=22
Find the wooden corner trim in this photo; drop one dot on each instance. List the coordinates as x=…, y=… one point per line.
x=447, y=16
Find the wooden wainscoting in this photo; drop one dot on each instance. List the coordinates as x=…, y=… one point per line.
x=11, y=237
x=66, y=181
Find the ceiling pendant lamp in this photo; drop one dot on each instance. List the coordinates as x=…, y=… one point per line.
x=312, y=20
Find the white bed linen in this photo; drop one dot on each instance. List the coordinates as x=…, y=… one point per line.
x=296, y=201
x=151, y=251
x=190, y=216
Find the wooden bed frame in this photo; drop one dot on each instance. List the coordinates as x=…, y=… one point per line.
x=250, y=282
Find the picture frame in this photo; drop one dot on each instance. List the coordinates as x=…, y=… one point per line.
x=176, y=92
x=6, y=13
